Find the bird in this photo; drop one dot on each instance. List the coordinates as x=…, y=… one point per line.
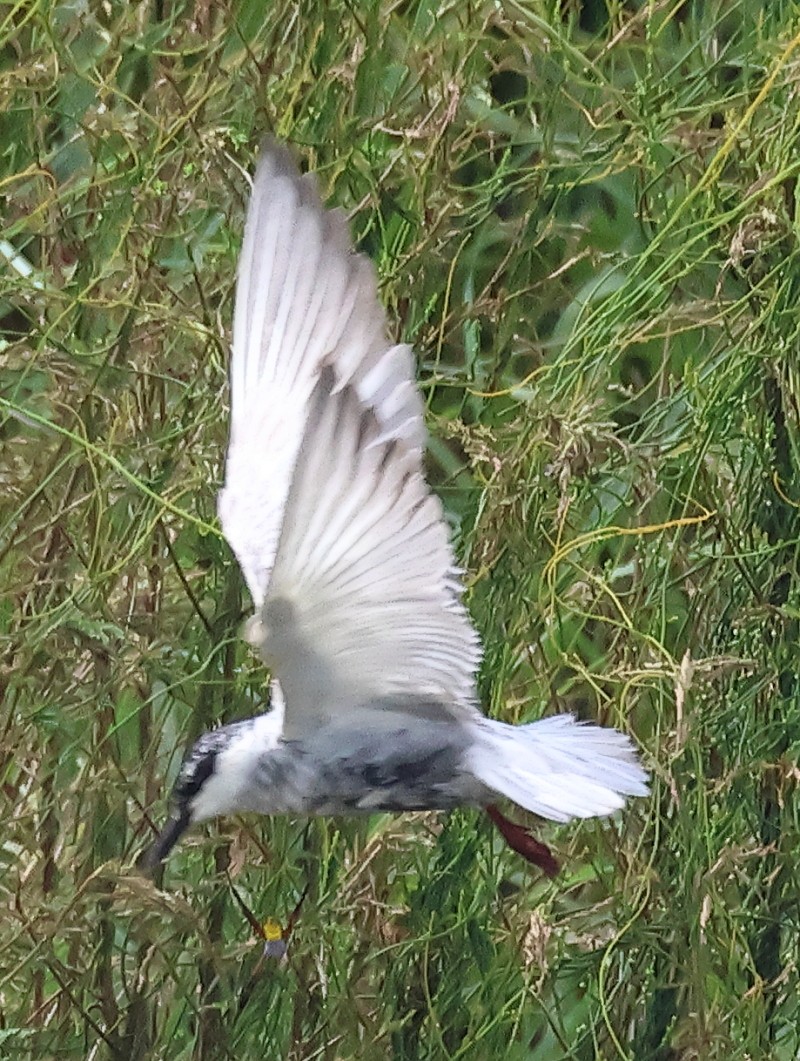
x=358, y=609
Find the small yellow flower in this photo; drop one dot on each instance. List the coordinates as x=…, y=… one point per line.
x=274, y=943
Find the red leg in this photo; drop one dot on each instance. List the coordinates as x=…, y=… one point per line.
x=522, y=841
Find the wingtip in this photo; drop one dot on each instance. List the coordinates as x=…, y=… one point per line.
x=276, y=153
x=277, y=159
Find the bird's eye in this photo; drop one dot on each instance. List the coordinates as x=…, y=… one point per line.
x=192, y=776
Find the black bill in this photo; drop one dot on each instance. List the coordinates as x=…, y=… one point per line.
x=154, y=855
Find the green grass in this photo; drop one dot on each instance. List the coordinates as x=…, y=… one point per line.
x=585, y=218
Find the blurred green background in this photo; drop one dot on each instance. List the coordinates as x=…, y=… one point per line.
x=584, y=216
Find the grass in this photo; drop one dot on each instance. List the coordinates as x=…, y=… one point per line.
x=585, y=218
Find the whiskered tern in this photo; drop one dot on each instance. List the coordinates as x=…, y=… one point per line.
x=358, y=610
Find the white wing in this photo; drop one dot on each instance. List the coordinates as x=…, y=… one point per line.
x=363, y=610
x=302, y=297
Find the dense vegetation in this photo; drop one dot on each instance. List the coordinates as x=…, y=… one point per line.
x=585, y=217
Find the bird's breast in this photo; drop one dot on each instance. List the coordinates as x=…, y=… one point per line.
x=341, y=771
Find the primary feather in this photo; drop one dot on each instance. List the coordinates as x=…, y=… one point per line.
x=362, y=609
x=302, y=298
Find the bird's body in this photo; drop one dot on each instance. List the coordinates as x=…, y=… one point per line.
x=414, y=760
x=410, y=765
x=358, y=610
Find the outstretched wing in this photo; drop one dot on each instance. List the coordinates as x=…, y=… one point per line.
x=363, y=611
x=302, y=297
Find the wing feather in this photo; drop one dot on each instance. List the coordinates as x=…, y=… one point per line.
x=362, y=610
x=302, y=298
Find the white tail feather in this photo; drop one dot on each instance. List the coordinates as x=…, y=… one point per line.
x=558, y=768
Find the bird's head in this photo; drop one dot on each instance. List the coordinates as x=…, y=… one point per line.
x=208, y=784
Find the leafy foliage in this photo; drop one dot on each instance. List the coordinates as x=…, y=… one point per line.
x=584, y=215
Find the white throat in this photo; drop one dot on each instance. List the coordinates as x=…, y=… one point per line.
x=235, y=766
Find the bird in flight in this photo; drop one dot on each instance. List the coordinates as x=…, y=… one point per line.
x=358, y=610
